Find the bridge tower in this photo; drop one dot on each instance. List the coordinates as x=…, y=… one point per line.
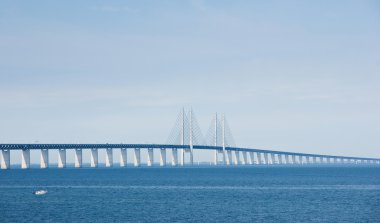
x=191, y=137
x=216, y=139
x=182, y=151
x=224, y=138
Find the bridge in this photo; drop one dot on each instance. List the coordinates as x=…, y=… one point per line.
x=184, y=140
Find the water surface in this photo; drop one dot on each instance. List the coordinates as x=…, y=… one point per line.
x=201, y=194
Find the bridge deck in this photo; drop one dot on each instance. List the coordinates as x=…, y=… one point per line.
x=163, y=146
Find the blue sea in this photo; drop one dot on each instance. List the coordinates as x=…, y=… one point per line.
x=192, y=194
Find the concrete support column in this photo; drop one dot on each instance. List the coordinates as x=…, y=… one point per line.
x=5, y=159
x=273, y=158
x=181, y=157
x=286, y=159
x=162, y=157
x=44, y=161
x=280, y=160
x=94, y=158
x=150, y=157
x=294, y=159
x=225, y=157
x=259, y=159
x=61, y=158
x=174, y=157
x=315, y=160
x=78, y=158
x=123, y=157
x=215, y=157
x=245, y=158
x=266, y=159
x=221, y=156
x=191, y=156
x=251, y=160
x=308, y=160
x=25, y=159
x=300, y=159
x=237, y=157
x=136, y=157
x=229, y=157
x=109, y=157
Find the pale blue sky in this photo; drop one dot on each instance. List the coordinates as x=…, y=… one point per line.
x=290, y=75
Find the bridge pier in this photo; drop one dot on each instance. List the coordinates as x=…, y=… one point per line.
x=300, y=160
x=109, y=157
x=215, y=157
x=25, y=159
x=181, y=157
x=94, y=158
x=259, y=159
x=5, y=159
x=251, y=159
x=136, y=157
x=78, y=158
x=287, y=159
x=162, y=157
x=229, y=157
x=219, y=157
x=191, y=156
x=123, y=157
x=150, y=157
x=245, y=158
x=273, y=158
x=293, y=159
x=280, y=159
x=61, y=158
x=44, y=161
x=307, y=160
x=236, y=157
x=266, y=158
x=174, y=157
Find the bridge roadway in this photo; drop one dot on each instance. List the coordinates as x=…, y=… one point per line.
x=229, y=155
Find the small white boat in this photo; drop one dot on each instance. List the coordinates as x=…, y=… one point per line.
x=40, y=192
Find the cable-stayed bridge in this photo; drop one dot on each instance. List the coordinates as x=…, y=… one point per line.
x=184, y=140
